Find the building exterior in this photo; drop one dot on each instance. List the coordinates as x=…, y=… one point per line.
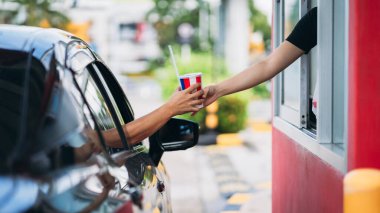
x=312, y=152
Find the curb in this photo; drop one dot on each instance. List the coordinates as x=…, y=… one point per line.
x=260, y=126
x=231, y=139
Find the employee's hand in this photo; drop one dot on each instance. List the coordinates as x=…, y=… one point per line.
x=185, y=101
x=210, y=95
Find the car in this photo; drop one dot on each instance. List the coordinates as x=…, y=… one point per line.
x=57, y=98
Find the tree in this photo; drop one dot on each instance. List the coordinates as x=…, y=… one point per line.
x=259, y=22
x=167, y=15
x=35, y=13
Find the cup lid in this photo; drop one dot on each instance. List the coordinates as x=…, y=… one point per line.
x=190, y=74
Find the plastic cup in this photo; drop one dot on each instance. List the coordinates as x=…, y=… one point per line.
x=189, y=79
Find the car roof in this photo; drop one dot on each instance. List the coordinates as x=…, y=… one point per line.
x=41, y=41
x=26, y=38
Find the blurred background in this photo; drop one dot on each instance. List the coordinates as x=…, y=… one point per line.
x=230, y=170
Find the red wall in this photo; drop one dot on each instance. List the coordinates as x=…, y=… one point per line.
x=364, y=84
x=302, y=182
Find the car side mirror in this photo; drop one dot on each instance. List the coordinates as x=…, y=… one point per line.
x=176, y=134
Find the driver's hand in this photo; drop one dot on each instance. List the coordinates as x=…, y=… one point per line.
x=186, y=100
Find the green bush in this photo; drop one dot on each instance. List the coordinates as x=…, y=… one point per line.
x=232, y=113
x=260, y=91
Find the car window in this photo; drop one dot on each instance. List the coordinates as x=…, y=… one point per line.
x=101, y=106
x=98, y=105
x=18, y=120
x=107, y=90
x=116, y=94
x=96, y=101
x=113, y=87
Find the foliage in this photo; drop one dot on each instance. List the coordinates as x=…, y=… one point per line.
x=35, y=13
x=261, y=91
x=167, y=15
x=260, y=22
x=232, y=113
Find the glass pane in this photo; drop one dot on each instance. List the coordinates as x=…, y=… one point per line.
x=314, y=3
x=291, y=86
x=13, y=88
x=292, y=75
x=98, y=105
x=313, y=71
x=291, y=16
x=100, y=108
x=339, y=71
x=112, y=99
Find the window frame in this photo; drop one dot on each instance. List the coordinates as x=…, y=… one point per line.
x=92, y=72
x=331, y=126
x=117, y=92
x=293, y=116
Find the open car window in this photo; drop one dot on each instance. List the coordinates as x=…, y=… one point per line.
x=107, y=81
x=117, y=96
x=113, y=88
x=98, y=105
x=104, y=111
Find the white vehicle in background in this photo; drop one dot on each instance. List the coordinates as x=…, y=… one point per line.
x=133, y=45
x=118, y=32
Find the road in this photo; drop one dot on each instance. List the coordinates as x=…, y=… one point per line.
x=214, y=178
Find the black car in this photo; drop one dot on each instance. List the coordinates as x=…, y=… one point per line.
x=57, y=97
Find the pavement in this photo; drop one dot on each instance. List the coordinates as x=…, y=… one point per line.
x=215, y=178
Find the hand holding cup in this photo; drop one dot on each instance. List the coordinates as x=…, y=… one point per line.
x=187, y=100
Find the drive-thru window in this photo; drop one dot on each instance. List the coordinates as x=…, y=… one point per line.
x=310, y=95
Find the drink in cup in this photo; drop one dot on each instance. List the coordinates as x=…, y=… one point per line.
x=187, y=80
x=190, y=79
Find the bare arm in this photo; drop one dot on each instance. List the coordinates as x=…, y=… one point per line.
x=266, y=69
x=181, y=102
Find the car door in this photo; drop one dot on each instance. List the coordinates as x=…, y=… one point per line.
x=141, y=169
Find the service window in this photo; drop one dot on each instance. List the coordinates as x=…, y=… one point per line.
x=291, y=96
x=310, y=95
x=311, y=73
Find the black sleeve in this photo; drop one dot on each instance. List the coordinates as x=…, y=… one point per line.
x=304, y=34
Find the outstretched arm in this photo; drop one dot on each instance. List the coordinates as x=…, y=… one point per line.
x=181, y=102
x=266, y=69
